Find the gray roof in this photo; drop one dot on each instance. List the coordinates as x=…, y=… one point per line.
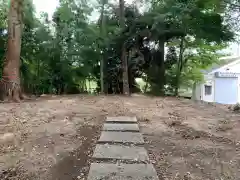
x=222, y=62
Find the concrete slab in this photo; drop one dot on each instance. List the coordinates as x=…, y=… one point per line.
x=120, y=152
x=121, y=119
x=121, y=137
x=121, y=127
x=100, y=171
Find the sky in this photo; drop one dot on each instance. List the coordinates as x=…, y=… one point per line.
x=50, y=5
x=45, y=6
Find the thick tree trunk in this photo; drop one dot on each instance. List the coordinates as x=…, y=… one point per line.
x=10, y=83
x=156, y=72
x=124, y=53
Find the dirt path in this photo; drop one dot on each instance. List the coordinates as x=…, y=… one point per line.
x=76, y=164
x=52, y=138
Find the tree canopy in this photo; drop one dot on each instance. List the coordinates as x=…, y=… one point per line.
x=166, y=44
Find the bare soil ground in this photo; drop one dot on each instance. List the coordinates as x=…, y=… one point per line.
x=52, y=138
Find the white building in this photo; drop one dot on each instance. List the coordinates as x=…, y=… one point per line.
x=221, y=83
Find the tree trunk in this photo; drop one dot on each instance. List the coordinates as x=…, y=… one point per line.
x=162, y=65
x=103, y=33
x=10, y=83
x=194, y=97
x=124, y=53
x=179, y=68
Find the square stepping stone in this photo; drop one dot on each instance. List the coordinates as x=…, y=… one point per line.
x=103, y=171
x=121, y=137
x=119, y=152
x=121, y=127
x=121, y=119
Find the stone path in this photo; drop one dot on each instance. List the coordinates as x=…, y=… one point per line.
x=120, y=142
x=121, y=137
x=121, y=127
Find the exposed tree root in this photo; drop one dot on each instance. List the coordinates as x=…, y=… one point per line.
x=10, y=91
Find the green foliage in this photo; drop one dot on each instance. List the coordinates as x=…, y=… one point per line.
x=3, y=25
x=61, y=54
x=197, y=21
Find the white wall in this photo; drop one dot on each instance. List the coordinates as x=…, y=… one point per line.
x=238, y=88
x=200, y=89
x=208, y=80
x=226, y=90
x=198, y=94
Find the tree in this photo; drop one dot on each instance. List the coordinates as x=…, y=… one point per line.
x=179, y=19
x=124, y=59
x=180, y=64
x=61, y=55
x=103, y=33
x=10, y=83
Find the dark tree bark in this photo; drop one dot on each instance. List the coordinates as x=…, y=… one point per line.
x=124, y=52
x=156, y=74
x=162, y=65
